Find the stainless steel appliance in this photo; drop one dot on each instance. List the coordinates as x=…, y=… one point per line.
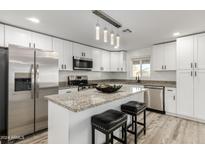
x=33, y=74
x=154, y=98
x=82, y=63
x=3, y=91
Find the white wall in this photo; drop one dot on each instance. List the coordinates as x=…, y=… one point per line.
x=146, y=52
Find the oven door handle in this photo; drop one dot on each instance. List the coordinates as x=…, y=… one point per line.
x=32, y=81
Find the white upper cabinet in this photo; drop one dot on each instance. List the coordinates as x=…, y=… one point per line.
x=64, y=50
x=105, y=56
x=199, y=60
x=185, y=53
x=164, y=57
x=170, y=56
x=58, y=47
x=2, y=35
x=67, y=54
x=97, y=59
x=101, y=60
x=117, y=61
x=17, y=36
x=158, y=57
x=82, y=51
x=43, y=42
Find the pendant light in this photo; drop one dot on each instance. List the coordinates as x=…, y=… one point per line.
x=105, y=34
x=118, y=40
x=97, y=33
x=112, y=38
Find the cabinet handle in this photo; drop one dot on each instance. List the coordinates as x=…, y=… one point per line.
x=29, y=45
x=174, y=97
x=191, y=65
x=191, y=73
x=165, y=67
x=34, y=45
x=65, y=66
x=195, y=65
x=169, y=90
x=62, y=66
x=162, y=67
x=195, y=73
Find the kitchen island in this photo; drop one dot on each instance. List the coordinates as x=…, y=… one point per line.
x=69, y=115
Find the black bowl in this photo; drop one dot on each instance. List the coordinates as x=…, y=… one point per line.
x=108, y=88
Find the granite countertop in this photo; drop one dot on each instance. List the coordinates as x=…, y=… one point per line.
x=86, y=99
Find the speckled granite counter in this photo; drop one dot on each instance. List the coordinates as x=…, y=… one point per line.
x=83, y=100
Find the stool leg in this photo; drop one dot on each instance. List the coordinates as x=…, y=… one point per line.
x=144, y=122
x=125, y=131
x=136, y=129
x=93, y=135
x=132, y=123
x=122, y=132
x=107, y=138
x=112, y=138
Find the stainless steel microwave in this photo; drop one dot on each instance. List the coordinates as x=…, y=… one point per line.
x=82, y=63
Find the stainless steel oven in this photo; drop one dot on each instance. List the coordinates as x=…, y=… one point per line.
x=82, y=63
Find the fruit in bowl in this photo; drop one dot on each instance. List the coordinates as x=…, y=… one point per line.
x=107, y=88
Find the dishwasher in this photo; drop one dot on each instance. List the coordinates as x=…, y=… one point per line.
x=154, y=98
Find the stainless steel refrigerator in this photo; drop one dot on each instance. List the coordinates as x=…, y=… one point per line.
x=33, y=74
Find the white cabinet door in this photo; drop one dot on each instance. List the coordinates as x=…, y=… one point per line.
x=185, y=52
x=58, y=47
x=114, y=62
x=80, y=50
x=122, y=61
x=200, y=52
x=42, y=41
x=87, y=52
x=17, y=36
x=170, y=100
x=185, y=93
x=67, y=54
x=96, y=54
x=2, y=35
x=158, y=57
x=105, y=55
x=170, y=56
x=199, y=95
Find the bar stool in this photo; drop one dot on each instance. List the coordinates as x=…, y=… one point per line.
x=107, y=122
x=134, y=108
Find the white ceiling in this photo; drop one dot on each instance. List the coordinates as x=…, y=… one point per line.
x=149, y=27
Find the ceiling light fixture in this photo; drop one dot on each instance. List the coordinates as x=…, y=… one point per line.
x=176, y=34
x=105, y=34
x=34, y=20
x=117, y=40
x=112, y=38
x=97, y=33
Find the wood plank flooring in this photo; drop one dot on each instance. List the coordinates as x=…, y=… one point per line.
x=161, y=129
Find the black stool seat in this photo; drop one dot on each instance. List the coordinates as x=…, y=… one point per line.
x=108, y=119
x=133, y=106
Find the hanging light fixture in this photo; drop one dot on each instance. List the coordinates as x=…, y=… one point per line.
x=97, y=32
x=105, y=34
x=118, y=40
x=112, y=38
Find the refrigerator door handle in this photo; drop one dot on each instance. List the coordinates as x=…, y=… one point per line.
x=32, y=81
x=37, y=81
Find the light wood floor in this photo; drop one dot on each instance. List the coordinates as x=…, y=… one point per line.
x=161, y=129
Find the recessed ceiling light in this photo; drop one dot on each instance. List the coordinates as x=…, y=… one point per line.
x=34, y=20
x=176, y=34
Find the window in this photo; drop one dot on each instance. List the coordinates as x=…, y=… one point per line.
x=141, y=67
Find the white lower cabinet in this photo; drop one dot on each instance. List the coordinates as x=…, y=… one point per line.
x=64, y=50
x=2, y=35
x=170, y=100
x=185, y=95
